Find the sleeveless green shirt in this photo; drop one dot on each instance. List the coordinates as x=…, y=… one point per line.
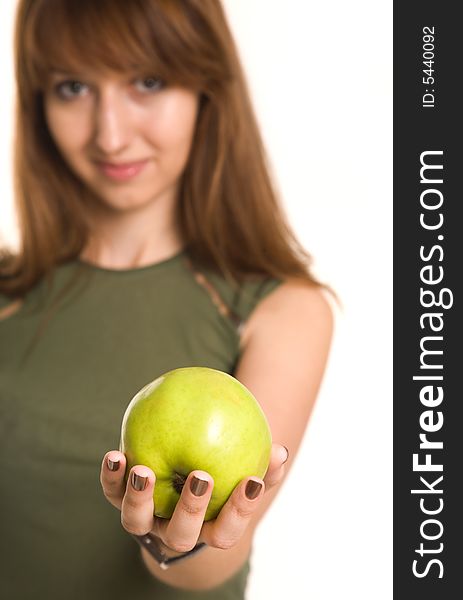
x=63, y=393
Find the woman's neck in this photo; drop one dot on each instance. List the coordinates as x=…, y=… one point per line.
x=131, y=239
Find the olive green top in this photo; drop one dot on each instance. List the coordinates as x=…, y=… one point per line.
x=63, y=394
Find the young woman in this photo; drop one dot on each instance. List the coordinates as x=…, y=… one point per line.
x=151, y=239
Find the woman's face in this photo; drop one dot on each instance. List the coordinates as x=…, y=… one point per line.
x=127, y=137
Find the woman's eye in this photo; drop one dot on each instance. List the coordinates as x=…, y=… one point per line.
x=70, y=89
x=148, y=84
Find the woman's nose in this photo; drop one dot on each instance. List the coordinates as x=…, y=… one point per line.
x=113, y=130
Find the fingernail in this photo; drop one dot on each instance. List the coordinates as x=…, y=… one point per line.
x=198, y=486
x=139, y=482
x=287, y=455
x=252, y=489
x=113, y=465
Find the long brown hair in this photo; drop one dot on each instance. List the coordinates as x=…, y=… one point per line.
x=228, y=211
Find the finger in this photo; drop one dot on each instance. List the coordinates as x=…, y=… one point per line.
x=276, y=469
x=112, y=477
x=181, y=532
x=235, y=515
x=137, y=505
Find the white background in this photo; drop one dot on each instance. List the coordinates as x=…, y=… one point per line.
x=321, y=78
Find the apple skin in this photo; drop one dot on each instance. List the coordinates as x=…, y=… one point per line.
x=195, y=418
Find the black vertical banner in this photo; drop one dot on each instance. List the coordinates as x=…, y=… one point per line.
x=428, y=331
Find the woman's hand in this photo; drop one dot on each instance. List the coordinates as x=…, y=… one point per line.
x=186, y=527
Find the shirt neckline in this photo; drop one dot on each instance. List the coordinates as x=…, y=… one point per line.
x=133, y=270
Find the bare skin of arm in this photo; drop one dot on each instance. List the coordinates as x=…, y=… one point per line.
x=285, y=347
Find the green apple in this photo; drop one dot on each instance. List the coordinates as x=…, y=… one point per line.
x=195, y=418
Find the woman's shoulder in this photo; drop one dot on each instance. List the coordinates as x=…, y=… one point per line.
x=293, y=307
x=293, y=293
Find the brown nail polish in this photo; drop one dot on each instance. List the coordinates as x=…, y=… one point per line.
x=198, y=486
x=113, y=465
x=139, y=482
x=252, y=489
x=287, y=454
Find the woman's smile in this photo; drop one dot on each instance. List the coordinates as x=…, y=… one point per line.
x=122, y=171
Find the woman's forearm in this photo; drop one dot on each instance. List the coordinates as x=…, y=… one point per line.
x=208, y=569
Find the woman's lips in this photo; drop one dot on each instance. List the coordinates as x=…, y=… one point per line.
x=122, y=171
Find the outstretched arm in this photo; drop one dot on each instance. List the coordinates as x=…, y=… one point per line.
x=285, y=351
x=285, y=346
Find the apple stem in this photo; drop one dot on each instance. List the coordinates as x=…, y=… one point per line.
x=178, y=481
